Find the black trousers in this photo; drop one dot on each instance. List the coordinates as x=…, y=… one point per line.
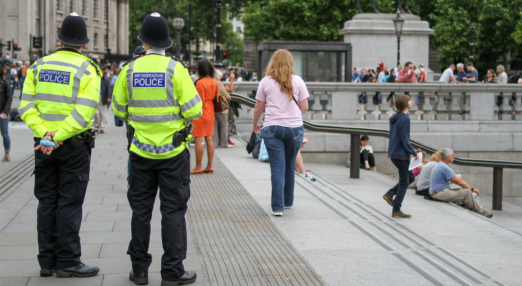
x=406, y=177
x=367, y=156
x=60, y=184
x=172, y=176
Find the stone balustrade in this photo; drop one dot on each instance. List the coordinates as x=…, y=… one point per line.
x=431, y=101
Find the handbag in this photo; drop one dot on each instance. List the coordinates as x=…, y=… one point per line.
x=220, y=103
x=251, y=143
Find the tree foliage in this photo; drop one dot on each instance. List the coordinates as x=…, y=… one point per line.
x=201, y=21
x=495, y=36
x=498, y=24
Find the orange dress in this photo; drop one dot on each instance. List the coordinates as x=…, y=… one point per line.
x=207, y=90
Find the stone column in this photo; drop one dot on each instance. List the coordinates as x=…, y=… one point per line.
x=123, y=27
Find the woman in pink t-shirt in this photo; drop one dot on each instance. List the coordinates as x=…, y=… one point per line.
x=283, y=96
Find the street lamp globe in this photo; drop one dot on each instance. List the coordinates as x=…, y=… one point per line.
x=398, y=22
x=178, y=23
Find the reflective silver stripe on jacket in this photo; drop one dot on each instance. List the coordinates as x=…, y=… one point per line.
x=38, y=62
x=65, y=99
x=28, y=97
x=52, y=117
x=27, y=107
x=83, y=123
x=129, y=79
x=77, y=79
x=191, y=103
x=195, y=116
x=119, y=107
x=155, y=118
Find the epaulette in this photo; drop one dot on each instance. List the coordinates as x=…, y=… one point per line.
x=96, y=68
x=181, y=61
x=127, y=62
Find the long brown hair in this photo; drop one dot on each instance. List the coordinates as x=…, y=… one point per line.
x=281, y=69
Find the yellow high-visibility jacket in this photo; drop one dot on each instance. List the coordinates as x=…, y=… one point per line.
x=61, y=94
x=157, y=96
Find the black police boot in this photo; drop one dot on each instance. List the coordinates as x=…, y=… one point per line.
x=140, y=278
x=46, y=272
x=188, y=278
x=81, y=270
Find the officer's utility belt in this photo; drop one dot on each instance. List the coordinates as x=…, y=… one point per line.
x=177, y=139
x=87, y=137
x=78, y=140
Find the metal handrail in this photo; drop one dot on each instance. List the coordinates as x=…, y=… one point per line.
x=498, y=165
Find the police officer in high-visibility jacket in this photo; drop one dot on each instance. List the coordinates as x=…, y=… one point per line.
x=155, y=94
x=59, y=100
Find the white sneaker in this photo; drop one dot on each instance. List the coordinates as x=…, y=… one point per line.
x=192, y=144
x=230, y=146
x=308, y=177
x=277, y=213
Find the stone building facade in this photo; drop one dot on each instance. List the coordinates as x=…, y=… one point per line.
x=21, y=19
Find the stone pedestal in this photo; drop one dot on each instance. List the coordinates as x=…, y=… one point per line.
x=374, y=40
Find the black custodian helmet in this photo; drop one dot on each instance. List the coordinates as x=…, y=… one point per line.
x=155, y=31
x=73, y=31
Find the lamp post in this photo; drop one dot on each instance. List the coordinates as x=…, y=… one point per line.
x=178, y=24
x=217, y=61
x=398, y=22
x=471, y=33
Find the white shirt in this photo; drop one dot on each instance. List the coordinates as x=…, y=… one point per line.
x=381, y=74
x=156, y=51
x=424, y=176
x=502, y=78
x=446, y=76
x=367, y=147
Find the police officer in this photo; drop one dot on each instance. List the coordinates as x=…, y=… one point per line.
x=156, y=96
x=139, y=51
x=59, y=100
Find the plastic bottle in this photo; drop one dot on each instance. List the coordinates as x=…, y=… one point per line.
x=477, y=198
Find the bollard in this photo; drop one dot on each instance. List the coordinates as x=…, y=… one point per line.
x=355, y=157
x=497, y=189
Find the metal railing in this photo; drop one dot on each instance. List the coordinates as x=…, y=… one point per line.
x=356, y=132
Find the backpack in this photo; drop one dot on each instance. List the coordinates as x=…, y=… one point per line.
x=19, y=73
x=514, y=78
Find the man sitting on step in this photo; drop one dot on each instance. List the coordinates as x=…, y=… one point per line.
x=440, y=185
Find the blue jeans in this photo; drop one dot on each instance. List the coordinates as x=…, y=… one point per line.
x=406, y=177
x=4, y=128
x=282, y=144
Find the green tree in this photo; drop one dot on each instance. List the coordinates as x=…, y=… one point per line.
x=201, y=27
x=494, y=40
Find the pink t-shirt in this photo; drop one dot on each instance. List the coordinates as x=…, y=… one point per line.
x=280, y=111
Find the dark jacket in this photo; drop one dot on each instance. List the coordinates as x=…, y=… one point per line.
x=399, y=146
x=6, y=97
x=105, y=90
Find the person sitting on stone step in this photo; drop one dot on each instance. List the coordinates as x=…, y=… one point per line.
x=440, y=185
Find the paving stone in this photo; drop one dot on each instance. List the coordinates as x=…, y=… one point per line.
x=23, y=252
x=88, y=226
x=18, y=239
x=54, y=281
x=21, y=281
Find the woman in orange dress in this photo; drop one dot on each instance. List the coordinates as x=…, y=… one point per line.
x=204, y=126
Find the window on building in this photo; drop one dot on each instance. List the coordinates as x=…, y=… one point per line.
x=95, y=9
x=71, y=6
x=58, y=5
x=95, y=40
x=238, y=18
x=84, y=7
x=230, y=17
x=238, y=30
x=57, y=33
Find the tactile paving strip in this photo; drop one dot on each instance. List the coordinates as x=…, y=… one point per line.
x=236, y=240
